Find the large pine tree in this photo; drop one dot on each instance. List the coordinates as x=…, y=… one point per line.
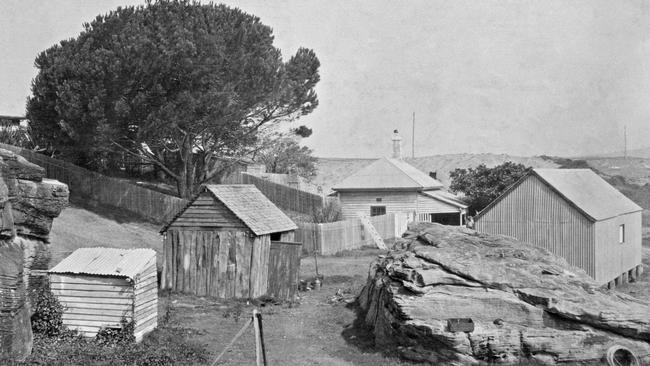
x=175, y=83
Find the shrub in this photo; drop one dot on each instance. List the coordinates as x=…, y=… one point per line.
x=47, y=317
x=116, y=336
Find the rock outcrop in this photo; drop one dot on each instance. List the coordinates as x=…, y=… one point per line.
x=28, y=204
x=450, y=295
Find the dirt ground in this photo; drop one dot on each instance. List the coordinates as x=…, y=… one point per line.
x=317, y=331
x=641, y=287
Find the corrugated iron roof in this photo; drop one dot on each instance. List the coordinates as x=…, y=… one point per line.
x=588, y=192
x=252, y=207
x=106, y=262
x=386, y=174
x=446, y=197
x=583, y=189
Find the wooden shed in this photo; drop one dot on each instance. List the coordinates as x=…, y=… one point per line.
x=99, y=287
x=231, y=242
x=573, y=213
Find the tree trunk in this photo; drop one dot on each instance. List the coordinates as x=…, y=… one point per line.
x=186, y=182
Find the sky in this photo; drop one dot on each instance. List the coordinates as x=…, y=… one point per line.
x=520, y=77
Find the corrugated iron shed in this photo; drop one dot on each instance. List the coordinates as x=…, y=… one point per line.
x=589, y=192
x=584, y=189
x=388, y=174
x=106, y=262
x=253, y=208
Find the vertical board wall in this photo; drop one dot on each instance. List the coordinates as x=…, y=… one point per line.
x=225, y=264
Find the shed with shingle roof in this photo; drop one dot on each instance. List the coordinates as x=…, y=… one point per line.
x=573, y=213
x=103, y=287
x=227, y=243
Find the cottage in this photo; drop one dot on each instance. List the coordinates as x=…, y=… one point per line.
x=231, y=242
x=575, y=214
x=101, y=287
x=389, y=185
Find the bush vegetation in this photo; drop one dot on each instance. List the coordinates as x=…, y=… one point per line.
x=54, y=344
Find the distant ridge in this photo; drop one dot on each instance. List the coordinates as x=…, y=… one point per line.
x=643, y=152
x=333, y=170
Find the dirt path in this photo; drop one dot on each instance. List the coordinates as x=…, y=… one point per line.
x=318, y=331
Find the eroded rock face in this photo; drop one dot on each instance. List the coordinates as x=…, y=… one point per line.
x=28, y=204
x=527, y=306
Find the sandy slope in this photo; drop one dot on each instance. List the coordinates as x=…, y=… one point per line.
x=77, y=228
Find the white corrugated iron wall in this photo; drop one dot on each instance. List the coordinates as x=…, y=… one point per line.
x=534, y=213
x=612, y=257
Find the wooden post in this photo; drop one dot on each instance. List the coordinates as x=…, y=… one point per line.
x=260, y=351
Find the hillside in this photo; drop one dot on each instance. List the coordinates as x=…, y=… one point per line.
x=77, y=227
x=333, y=170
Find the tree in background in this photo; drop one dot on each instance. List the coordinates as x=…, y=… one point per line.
x=282, y=153
x=174, y=83
x=482, y=185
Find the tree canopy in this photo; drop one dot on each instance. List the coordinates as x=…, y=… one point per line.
x=174, y=83
x=482, y=185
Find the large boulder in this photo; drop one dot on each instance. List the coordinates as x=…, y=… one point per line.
x=450, y=295
x=28, y=204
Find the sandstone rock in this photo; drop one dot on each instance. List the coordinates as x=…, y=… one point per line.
x=526, y=305
x=28, y=203
x=16, y=337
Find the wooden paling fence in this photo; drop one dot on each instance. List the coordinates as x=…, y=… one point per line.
x=83, y=183
x=286, y=197
x=334, y=237
x=284, y=268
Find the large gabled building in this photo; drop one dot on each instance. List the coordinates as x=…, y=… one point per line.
x=573, y=213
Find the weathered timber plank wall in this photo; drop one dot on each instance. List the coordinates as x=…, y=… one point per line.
x=285, y=197
x=284, y=269
x=224, y=264
x=154, y=206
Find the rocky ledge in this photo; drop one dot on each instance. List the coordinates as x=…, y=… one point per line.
x=453, y=296
x=28, y=204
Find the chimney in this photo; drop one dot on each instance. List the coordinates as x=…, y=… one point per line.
x=433, y=175
x=397, y=145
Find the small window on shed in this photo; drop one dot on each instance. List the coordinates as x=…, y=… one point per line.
x=621, y=233
x=276, y=236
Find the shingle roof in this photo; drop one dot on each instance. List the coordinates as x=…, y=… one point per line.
x=387, y=173
x=588, y=192
x=252, y=207
x=106, y=262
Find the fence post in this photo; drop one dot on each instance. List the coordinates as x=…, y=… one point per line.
x=260, y=351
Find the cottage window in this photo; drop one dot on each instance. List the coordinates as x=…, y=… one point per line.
x=276, y=236
x=621, y=234
x=377, y=210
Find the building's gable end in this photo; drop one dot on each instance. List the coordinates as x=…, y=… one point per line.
x=207, y=211
x=532, y=211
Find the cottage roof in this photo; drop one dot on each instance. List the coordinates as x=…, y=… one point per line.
x=446, y=197
x=388, y=174
x=250, y=205
x=585, y=190
x=106, y=262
